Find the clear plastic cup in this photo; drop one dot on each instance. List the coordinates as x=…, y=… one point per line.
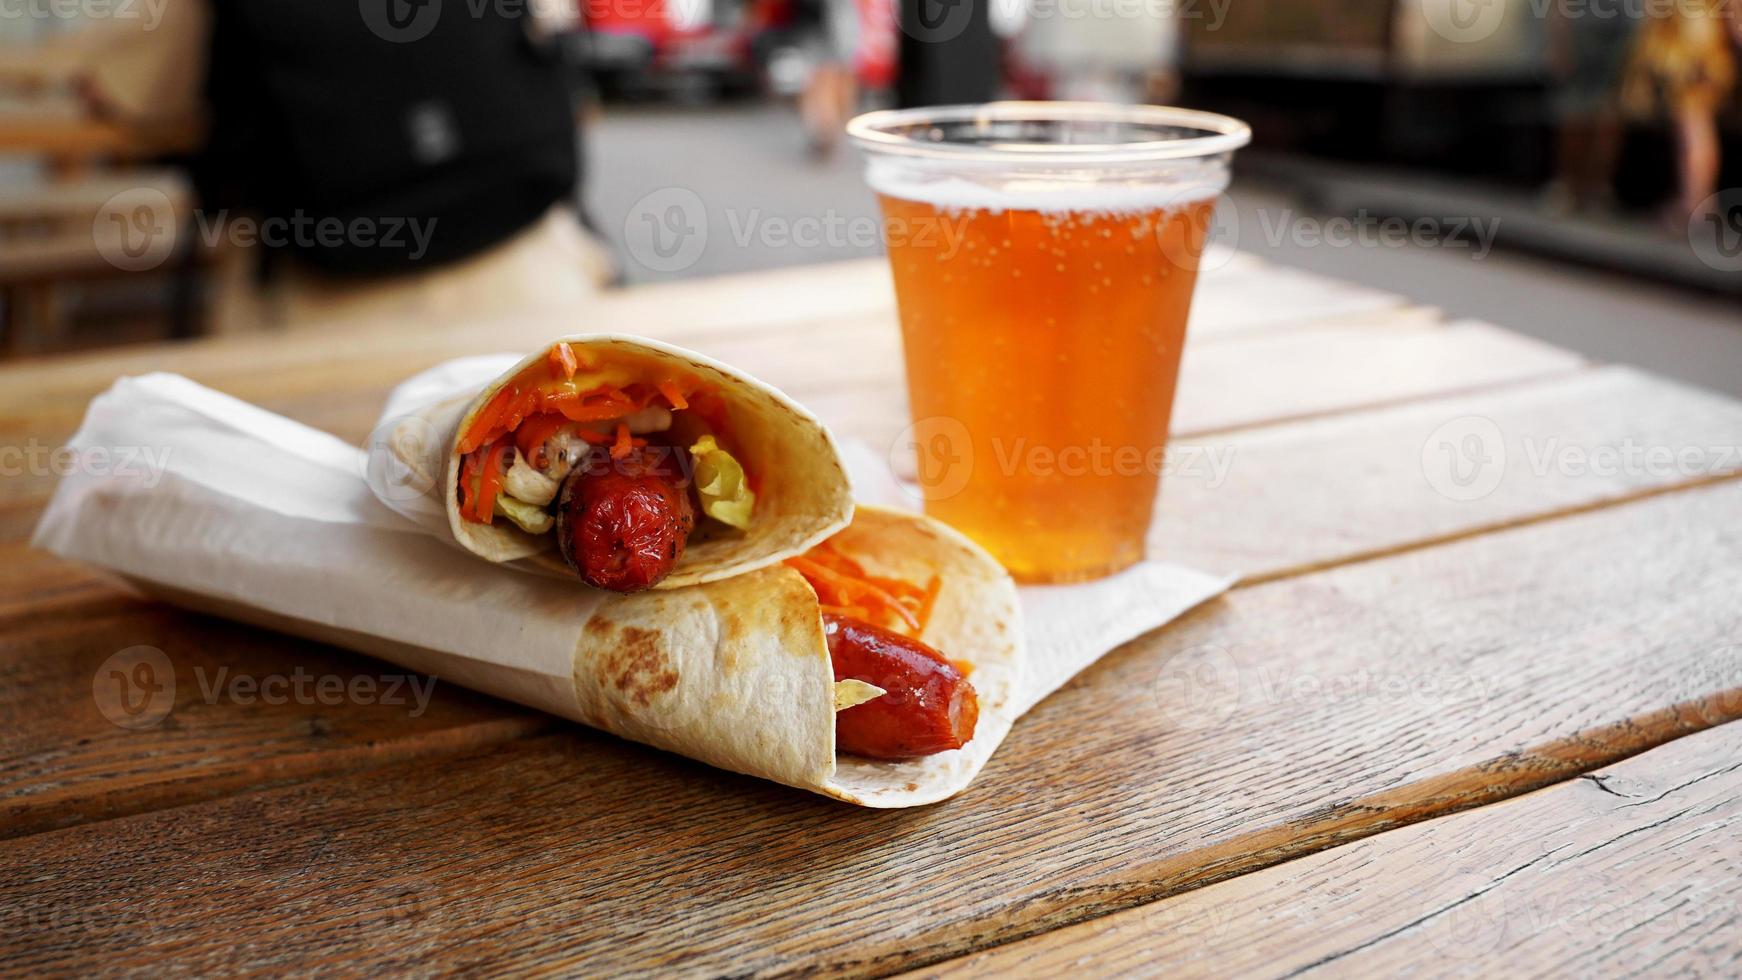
x=1044, y=256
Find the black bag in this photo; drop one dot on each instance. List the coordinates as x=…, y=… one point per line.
x=385, y=135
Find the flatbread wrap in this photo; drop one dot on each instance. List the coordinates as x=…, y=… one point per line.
x=762, y=674
x=258, y=518
x=622, y=462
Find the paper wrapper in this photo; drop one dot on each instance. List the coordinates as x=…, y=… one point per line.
x=258, y=518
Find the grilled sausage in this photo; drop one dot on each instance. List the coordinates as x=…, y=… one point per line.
x=622, y=524
x=927, y=707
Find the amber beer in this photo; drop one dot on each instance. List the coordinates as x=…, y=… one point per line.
x=1042, y=324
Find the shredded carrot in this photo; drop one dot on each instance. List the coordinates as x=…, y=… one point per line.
x=488, y=466
x=539, y=401
x=562, y=362
x=825, y=554
x=897, y=588
x=514, y=403
x=483, y=427
x=593, y=406
x=673, y=396
x=535, y=432
x=843, y=587
x=928, y=601
x=846, y=590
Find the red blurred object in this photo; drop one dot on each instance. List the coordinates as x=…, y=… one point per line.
x=877, y=55
x=713, y=43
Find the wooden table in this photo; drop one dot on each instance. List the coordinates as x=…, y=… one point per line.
x=1464, y=720
x=73, y=142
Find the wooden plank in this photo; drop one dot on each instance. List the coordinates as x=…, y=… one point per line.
x=1268, y=296
x=1629, y=870
x=1278, y=721
x=1314, y=370
x=1284, y=499
x=71, y=754
x=1239, y=294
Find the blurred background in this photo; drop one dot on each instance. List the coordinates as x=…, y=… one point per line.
x=172, y=168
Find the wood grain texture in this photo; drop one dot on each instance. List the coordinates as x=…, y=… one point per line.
x=1262, y=296
x=1311, y=370
x=1286, y=498
x=250, y=708
x=1631, y=870
x=1276, y=722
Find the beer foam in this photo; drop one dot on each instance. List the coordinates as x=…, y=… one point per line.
x=955, y=192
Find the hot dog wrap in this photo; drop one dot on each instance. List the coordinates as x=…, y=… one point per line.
x=258, y=518
x=737, y=672
x=483, y=458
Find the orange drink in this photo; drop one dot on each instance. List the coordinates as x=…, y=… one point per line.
x=1044, y=269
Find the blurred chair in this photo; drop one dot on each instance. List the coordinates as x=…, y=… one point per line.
x=55, y=235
